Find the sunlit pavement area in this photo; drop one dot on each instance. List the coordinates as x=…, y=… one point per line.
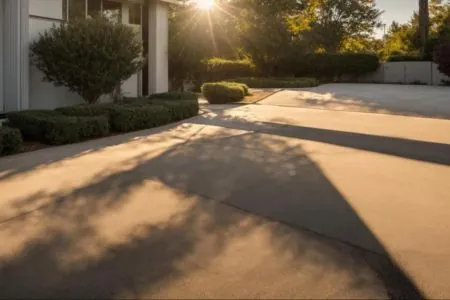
x=241, y=202
x=411, y=100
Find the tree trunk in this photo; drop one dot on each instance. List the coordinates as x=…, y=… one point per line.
x=423, y=25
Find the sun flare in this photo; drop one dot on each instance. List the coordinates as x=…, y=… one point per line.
x=205, y=4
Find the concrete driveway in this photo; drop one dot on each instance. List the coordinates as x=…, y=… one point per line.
x=412, y=100
x=256, y=201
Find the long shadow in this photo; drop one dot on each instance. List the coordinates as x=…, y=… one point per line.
x=171, y=218
x=438, y=153
x=54, y=155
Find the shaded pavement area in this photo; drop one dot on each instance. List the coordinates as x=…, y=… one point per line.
x=255, y=201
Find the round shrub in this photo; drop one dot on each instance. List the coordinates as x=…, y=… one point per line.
x=91, y=57
x=10, y=140
x=442, y=58
x=223, y=92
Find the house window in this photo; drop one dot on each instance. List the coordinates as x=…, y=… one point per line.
x=94, y=8
x=91, y=8
x=77, y=9
x=112, y=10
x=135, y=14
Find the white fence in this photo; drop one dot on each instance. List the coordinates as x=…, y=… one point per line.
x=412, y=72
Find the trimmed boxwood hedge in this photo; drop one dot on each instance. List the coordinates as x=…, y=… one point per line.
x=10, y=140
x=179, y=110
x=131, y=118
x=51, y=127
x=273, y=82
x=224, y=92
x=175, y=96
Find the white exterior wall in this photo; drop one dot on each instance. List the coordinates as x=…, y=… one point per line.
x=21, y=84
x=407, y=73
x=130, y=88
x=15, y=54
x=158, y=55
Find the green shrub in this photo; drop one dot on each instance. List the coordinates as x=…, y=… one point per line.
x=400, y=58
x=223, y=92
x=179, y=110
x=130, y=118
x=175, y=96
x=87, y=110
x=442, y=58
x=333, y=66
x=89, y=56
x=10, y=140
x=261, y=82
x=217, y=68
x=53, y=128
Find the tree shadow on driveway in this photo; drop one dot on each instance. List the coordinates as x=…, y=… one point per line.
x=149, y=229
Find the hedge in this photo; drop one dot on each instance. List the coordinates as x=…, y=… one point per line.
x=130, y=118
x=261, y=82
x=51, y=127
x=332, y=66
x=216, y=68
x=10, y=140
x=223, y=92
x=175, y=96
x=442, y=58
x=400, y=58
x=179, y=110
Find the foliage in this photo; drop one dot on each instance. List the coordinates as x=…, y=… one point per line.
x=217, y=68
x=175, y=96
x=179, y=110
x=331, y=22
x=334, y=66
x=223, y=92
x=91, y=57
x=267, y=82
x=130, y=118
x=53, y=128
x=118, y=113
x=399, y=58
x=442, y=58
x=10, y=140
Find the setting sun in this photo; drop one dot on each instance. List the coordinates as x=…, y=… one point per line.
x=205, y=4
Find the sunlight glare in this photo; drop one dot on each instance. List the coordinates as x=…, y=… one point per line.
x=205, y=4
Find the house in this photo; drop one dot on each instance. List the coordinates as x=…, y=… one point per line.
x=21, y=21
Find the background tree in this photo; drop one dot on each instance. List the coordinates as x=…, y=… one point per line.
x=423, y=25
x=330, y=23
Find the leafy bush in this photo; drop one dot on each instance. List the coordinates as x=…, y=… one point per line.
x=333, y=65
x=442, y=58
x=223, y=92
x=87, y=110
x=217, y=68
x=10, y=140
x=175, y=96
x=400, y=58
x=179, y=110
x=130, y=118
x=91, y=57
x=53, y=128
x=261, y=82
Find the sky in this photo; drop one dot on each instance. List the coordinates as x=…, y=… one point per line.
x=397, y=10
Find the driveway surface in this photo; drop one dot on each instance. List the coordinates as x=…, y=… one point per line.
x=412, y=100
x=241, y=202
